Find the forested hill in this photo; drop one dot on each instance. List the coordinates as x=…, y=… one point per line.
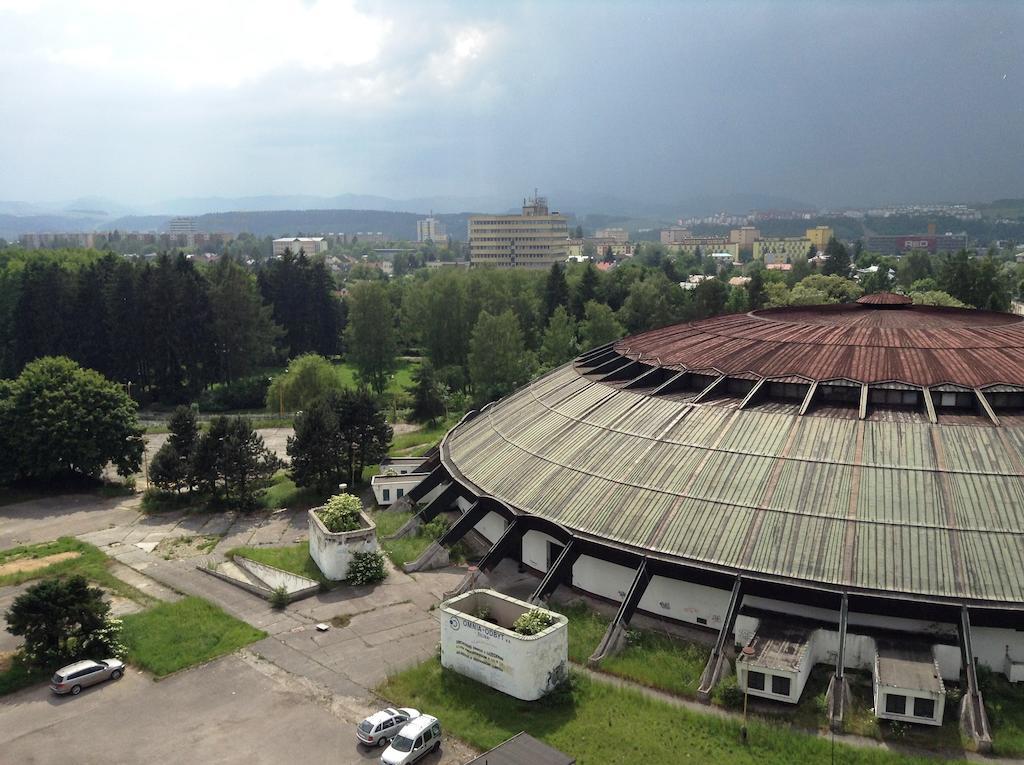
x=396, y=225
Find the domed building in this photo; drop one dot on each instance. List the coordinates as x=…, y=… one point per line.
x=839, y=484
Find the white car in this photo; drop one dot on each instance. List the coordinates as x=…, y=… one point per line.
x=380, y=727
x=417, y=739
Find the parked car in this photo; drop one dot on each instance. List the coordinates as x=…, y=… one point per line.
x=380, y=727
x=417, y=739
x=74, y=677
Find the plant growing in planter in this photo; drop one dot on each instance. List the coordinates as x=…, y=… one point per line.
x=532, y=622
x=341, y=513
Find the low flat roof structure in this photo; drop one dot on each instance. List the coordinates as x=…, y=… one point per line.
x=908, y=665
x=523, y=749
x=779, y=646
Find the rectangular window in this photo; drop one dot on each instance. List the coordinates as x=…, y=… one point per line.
x=386, y=493
x=895, y=704
x=755, y=680
x=780, y=685
x=924, y=708
x=399, y=493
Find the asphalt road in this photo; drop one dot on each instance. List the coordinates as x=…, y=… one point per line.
x=224, y=712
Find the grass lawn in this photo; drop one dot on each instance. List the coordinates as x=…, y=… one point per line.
x=652, y=658
x=403, y=550
x=400, y=381
x=90, y=563
x=19, y=675
x=283, y=492
x=173, y=636
x=606, y=724
x=294, y=558
x=419, y=442
x=1004, y=703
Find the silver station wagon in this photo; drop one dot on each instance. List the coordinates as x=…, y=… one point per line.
x=74, y=677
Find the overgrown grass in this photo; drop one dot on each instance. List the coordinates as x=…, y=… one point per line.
x=650, y=658
x=607, y=724
x=293, y=558
x=1004, y=703
x=172, y=636
x=403, y=550
x=419, y=442
x=283, y=492
x=90, y=563
x=20, y=675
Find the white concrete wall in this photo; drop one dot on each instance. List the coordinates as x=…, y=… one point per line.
x=332, y=553
x=523, y=666
x=491, y=527
x=991, y=646
x=686, y=602
x=393, y=485
x=535, y=549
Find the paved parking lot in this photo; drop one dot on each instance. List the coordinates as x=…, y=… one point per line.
x=234, y=710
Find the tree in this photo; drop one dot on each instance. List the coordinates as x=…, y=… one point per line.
x=838, y=262
x=755, y=290
x=738, y=301
x=709, y=298
x=370, y=335
x=427, y=394
x=876, y=281
x=800, y=270
x=234, y=454
x=776, y=294
x=578, y=233
x=584, y=291
x=63, y=620
x=835, y=288
x=652, y=302
x=556, y=290
x=171, y=467
x=243, y=327
x=69, y=420
x=935, y=297
x=559, y=344
x=307, y=378
x=914, y=266
x=599, y=326
x=498, y=360
x=364, y=430
x=317, y=450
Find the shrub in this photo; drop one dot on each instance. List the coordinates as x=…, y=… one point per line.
x=728, y=694
x=366, y=568
x=435, y=529
x=244, y=393
x=279, y=597
x=533, y=622
x=341, y=513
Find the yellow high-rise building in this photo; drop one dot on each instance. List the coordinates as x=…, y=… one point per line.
x=535, y=239
x=819, y=236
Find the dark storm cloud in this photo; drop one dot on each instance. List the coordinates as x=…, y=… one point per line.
x=852, y=103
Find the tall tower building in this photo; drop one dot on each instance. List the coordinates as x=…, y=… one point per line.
x=535, y=239
x=430, y=230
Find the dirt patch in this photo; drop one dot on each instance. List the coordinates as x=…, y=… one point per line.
x=401, y=428
x=34, y=564
x=175, y=548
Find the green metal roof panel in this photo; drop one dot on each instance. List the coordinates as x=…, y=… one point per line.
x=885, y=506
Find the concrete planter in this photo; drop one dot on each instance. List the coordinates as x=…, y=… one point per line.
x=489, y=651
x=333, y=552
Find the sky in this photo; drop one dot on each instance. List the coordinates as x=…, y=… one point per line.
x=852, y=103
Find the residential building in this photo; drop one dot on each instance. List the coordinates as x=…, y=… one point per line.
x=311, y=245
x=745, y=236
x=185, y=226
x=574, y=249
x=897, y=245
x=430, y=230
x=819, y=236
x=705, y=244
x=781, y=249
x=675, y=234
x=371, y=237
x=535, y=239
x=615, y=234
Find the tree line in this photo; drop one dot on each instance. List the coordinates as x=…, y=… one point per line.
x=166, y=329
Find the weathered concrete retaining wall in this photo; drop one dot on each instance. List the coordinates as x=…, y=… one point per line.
x=333, y=552
x=523, y=666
